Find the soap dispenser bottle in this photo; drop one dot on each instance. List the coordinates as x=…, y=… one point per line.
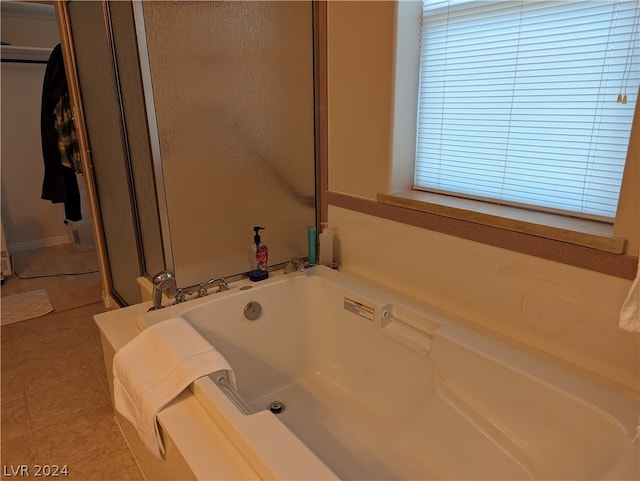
x=258, y=257
x=326, y=245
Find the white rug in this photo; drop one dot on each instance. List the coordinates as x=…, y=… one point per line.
x=26, y=305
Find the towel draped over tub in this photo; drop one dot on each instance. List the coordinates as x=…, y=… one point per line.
x=155, y=367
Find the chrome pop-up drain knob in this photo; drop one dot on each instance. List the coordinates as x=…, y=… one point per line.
x=276, y=407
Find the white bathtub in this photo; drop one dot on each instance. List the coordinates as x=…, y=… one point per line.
x=375, y=388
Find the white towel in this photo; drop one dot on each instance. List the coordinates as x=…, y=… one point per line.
x=630, y=312
x=156, y=366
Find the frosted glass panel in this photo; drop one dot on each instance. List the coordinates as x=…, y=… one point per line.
x=108, y=153
x=233, y=88
x=133, y=106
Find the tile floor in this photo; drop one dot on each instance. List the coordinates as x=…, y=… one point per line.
x=35, y=268
x=55, y=407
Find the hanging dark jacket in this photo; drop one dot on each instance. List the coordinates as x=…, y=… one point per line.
x=60, y=183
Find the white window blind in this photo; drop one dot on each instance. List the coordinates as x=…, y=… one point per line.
x=522, y=102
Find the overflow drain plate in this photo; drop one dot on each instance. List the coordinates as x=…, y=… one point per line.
x=252, y=310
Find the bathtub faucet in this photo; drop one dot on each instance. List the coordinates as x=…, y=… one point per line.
x=294, y=265
x=163, y=282
x=222, y=286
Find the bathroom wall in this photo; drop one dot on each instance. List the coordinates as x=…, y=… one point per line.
x=29, y=221
x=565, y=314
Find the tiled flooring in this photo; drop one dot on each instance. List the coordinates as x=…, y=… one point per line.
x=55, y=407
x=66, y=292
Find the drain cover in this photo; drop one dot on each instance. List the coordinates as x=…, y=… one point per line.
x=252, y=310
x=276, y=407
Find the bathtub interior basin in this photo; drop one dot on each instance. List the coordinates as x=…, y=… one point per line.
x=372, y=387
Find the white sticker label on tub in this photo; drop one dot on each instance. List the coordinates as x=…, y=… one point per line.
x=360, y=309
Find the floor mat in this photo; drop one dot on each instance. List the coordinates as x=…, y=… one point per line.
x=23, y=306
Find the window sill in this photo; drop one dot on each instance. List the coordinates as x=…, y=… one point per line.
x=586, y=233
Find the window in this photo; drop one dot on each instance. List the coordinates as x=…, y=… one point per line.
x=528, y=102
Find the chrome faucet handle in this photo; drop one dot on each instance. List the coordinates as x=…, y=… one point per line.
x=202, y=290
x=222, y=285
x=180, y=296
x=294, y=265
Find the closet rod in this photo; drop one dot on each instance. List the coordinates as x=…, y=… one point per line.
x=17, y=60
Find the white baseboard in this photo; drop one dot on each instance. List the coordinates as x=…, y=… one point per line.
x=38, y=243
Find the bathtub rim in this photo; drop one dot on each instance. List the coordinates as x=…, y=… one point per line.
x=193, y=441
x=511, y=356
x=621, y=408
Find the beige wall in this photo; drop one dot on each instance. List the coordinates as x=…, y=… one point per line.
x=565, y=314
x=628, y=215
x=360, y=57
x=29, y=221
x=29, y=25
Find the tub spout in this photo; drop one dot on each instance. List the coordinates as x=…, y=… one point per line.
x=294, y=265
x=163, y=282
